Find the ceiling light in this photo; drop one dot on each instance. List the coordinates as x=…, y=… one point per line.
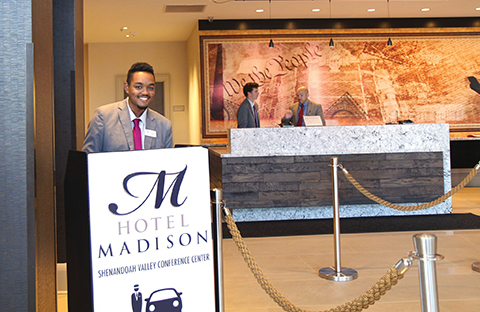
x=330, y=44
x=128, y=36
x=370, y=10
x=125, y=27
x=478, y=9
x=425, y=9
x=389, y=41
x=270, y=44
x=259, y=11
x=315, y=10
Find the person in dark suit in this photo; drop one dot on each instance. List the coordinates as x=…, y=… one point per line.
x=136, y=300
x=247, y=114
x=304, y=107
x=112, y=128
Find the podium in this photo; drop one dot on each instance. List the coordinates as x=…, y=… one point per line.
x=139, y=234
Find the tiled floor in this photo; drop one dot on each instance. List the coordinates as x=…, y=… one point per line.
x=291, y=265
x=467, y=200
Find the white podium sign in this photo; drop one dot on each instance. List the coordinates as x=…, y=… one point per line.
x=151, y=234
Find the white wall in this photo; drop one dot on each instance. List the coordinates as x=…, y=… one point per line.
x=107, y=60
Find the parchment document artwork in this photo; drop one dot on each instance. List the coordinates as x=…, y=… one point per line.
x=358, y=82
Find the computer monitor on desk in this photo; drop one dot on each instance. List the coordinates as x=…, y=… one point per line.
x=312, y=121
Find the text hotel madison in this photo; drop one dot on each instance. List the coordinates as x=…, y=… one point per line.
x=240, y=155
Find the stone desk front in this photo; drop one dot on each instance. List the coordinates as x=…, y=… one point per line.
x=285, y=173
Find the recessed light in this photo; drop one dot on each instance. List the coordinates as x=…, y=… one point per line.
x=128, y=36
x=259, y=11
x=425, y=9
x=370, y=10
x=315, y=10
x=478, y=9
x=125, y=27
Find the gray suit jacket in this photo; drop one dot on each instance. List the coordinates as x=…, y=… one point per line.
x=111, y=130
x=245, y=116
x=314, y=109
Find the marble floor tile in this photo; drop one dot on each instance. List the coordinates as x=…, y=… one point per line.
x=460, y=305
x=291, y=265
x=467, y=201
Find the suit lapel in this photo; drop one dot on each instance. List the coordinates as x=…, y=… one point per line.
x=251, y=109
x=124, y=118
x=310, y=108
x=150, y=124
x=255, y=115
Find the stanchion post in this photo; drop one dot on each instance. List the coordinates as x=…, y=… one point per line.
x=217, y=206
x=426, y=253
x=476, y=266
x=336, y=215
x=337, y=273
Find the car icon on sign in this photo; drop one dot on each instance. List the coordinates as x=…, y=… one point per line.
x=164, y=300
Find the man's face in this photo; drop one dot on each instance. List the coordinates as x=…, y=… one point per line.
x=141, y=91
x=252, y=96
x=302, y=96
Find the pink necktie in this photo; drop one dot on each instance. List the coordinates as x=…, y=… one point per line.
x=137, y=135
x=300, y=116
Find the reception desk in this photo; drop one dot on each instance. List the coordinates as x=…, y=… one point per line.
x=285, y=173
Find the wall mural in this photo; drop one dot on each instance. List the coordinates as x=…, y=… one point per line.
x=358, y=81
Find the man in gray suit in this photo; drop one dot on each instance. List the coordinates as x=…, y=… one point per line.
x=247, y=114
x=303, y=107
x=114, y=126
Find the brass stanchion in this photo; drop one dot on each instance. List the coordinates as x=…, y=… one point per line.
x=216, y=196
x=337, y=273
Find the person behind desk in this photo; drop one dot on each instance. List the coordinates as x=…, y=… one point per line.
x=130, y=124
x=247, y=114
x=303, y=107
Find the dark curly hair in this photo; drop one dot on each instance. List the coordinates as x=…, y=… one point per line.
x=249, y=87
x=139, y=67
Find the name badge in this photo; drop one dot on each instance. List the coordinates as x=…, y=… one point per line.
x=151, y=133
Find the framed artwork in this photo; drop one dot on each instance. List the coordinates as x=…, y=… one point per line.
x=360, y=80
